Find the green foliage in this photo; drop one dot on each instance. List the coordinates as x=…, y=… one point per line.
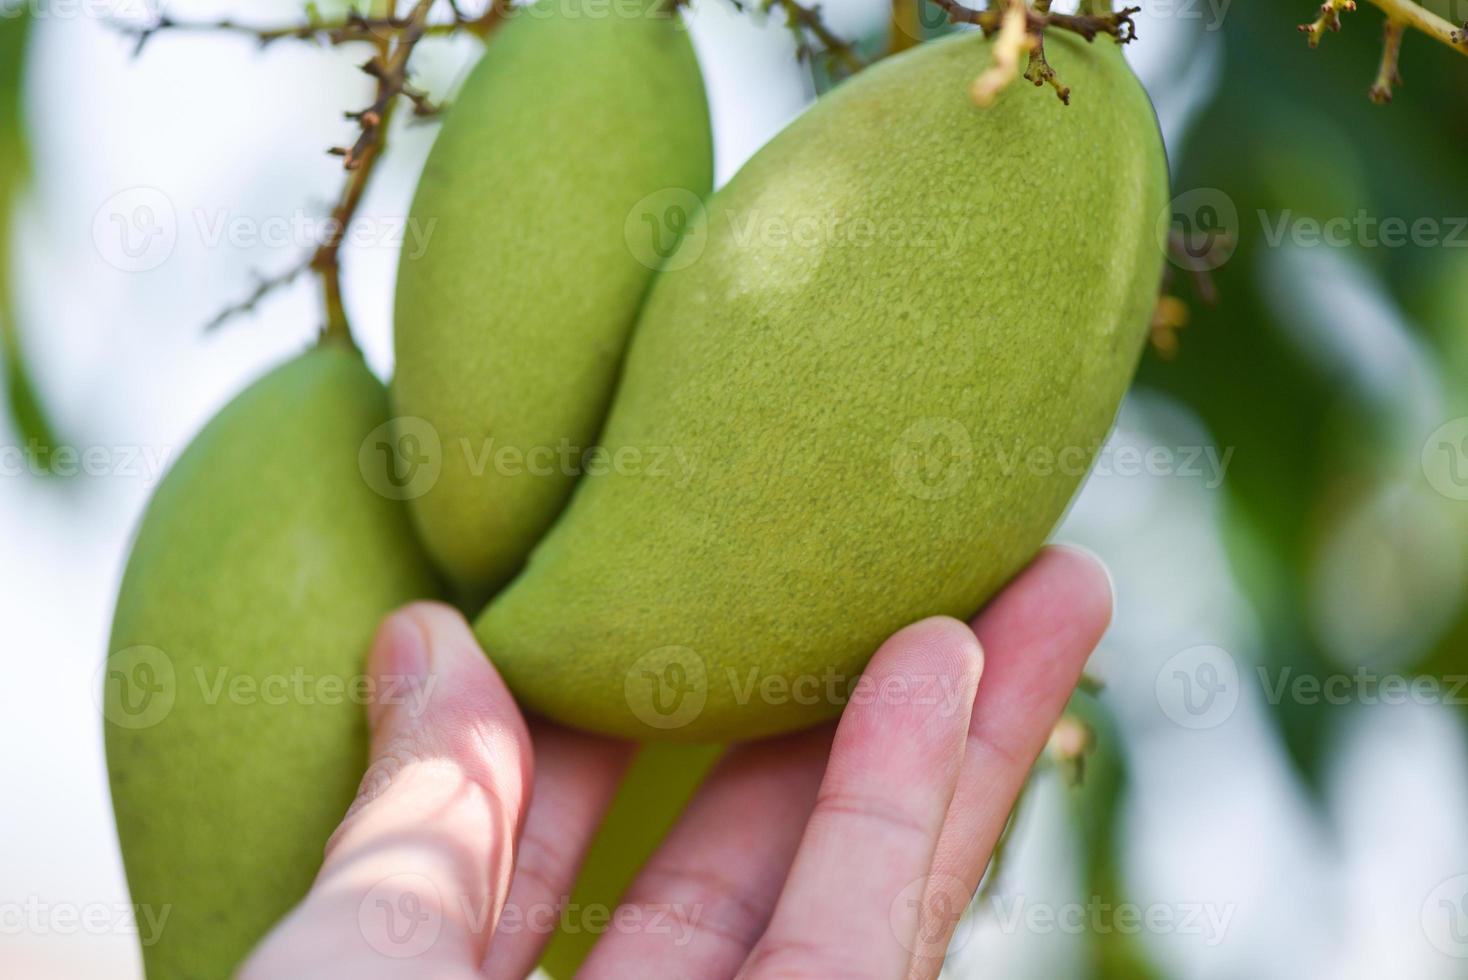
x=21, y=398
x=1287, y=136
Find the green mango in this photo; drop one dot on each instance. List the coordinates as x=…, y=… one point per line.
x=888, y=351
x=578, y=149
x=234, y=693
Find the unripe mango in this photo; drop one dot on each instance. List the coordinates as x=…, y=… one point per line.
x=890, y=349
x=511, y=324
x=234, y=694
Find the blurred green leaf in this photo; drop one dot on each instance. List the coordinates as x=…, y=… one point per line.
x=21, y=397
x=1293, y=131
x=1096, y=801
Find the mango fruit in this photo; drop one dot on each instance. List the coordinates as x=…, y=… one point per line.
x=235, y=689
x=890, y=348
x=575, y=153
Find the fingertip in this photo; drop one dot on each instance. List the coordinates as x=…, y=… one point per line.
x=932, y=649
x=1088, y=581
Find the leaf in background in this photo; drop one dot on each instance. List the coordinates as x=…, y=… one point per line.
x=1116, y=954
x=21, y=398
x=1293, y=134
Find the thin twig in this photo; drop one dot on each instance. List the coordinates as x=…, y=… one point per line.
x=1021, y=29
x=1424, y=20
x=807, y=24
x=353, y=28
x=264, y=286
x=394, y=39
x=1389, y=74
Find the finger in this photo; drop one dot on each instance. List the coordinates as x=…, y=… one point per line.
x=416, y=874
x=1037, y=636
x=705, y=896
x=576, y=778
x=879, y=811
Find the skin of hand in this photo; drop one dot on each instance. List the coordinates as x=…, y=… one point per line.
x=846, y=851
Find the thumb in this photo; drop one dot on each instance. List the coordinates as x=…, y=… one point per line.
x=416, y=875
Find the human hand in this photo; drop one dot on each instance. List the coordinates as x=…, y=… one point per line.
x=849, y=850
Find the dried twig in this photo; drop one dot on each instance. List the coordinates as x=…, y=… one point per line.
x=1034, y=21
x=812, y=36
x=264, y=286
x=394, y=39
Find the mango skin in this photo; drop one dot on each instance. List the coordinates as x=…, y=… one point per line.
x=263, y=555
x=887, y=415
x=512, y=323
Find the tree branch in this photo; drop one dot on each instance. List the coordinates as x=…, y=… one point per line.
x=1400, y=15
